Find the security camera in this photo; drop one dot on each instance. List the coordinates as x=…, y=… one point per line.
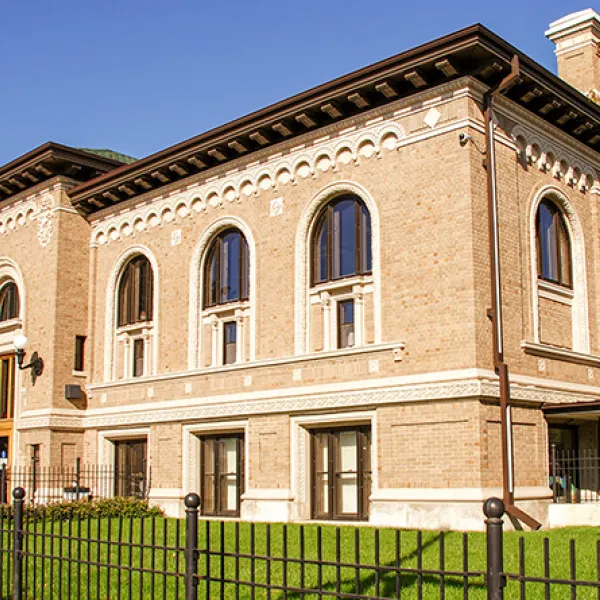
x=463, y=138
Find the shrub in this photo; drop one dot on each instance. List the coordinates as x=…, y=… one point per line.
x=84, y=509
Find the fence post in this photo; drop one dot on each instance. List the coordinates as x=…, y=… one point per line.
x=3, y=485
x=18, y=495
x=192, y=502
x=77, y=477
x=493, y=508
x=555, y=488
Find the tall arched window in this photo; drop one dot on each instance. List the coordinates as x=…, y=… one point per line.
x=553, y=245
x=341, y=243
x=9, y=301
x=135, y=292
x=226, y=269
x=340, y=274
x=135, y=328
x=225, y=296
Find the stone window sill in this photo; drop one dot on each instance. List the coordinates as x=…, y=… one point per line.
x=564, y=354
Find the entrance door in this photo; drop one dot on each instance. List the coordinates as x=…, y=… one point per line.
x=130, y=468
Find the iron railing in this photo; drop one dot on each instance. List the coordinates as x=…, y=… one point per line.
x=160, y=559
x=56, y=484
x=575, y=476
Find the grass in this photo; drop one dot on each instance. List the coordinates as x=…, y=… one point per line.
x=116, y=568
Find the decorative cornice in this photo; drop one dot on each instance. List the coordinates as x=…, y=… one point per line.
x=443, y=391
x=302, y=163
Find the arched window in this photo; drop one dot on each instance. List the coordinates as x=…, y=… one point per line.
x=341, y=243
x=553, y=245
x=9, y=301
x=226, y=269
x=135, y=292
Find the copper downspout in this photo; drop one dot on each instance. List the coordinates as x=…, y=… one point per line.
x=496, y=313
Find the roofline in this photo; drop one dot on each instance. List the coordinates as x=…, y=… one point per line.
x=292, y=102
x=46, y=150
x=474, y=34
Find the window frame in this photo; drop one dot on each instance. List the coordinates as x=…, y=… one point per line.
x=9, y=301
x=217, y=475
x=215, y=250
x=134, y=296
x=364, y=475
x=10, y=385
x=340, y=306
x=79, y=354
x=561, y=234
x=361, y=250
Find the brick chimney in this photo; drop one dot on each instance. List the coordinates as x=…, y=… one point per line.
x=577, y=39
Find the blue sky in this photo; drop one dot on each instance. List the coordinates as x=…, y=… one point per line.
x=137, y=77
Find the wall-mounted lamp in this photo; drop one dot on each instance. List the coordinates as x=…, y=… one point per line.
x=36, y=364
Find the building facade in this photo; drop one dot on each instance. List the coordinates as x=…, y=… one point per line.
x=289, y=314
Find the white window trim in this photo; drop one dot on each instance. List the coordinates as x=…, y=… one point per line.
x=577, y=297
x=303, y=290
x=113, y=334
x=197, y=314
x=106, y=445
x=191, y=450
x=8, y=331
x=300, y=464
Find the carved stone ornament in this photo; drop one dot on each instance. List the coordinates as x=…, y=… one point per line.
x=45, y=228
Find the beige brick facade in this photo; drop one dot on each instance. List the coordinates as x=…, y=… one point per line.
x=419, y=379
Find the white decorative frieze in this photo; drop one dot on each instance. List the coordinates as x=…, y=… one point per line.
x=347, y=148
x=551, y=157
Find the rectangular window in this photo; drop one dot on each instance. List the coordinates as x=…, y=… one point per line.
x=222, y=474
x=7, y=386
x=229, y=343
x=79, y=363
x=138, y=358
x=130, y=468
x=346, y=324
x=341, y=473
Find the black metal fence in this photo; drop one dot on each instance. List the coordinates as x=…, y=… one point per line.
x=575, y=476
x=56, y=484
x=160, y=559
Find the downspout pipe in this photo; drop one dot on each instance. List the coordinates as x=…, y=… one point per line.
x=500, y=366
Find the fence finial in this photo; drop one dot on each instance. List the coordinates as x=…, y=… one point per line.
x=192, y=500
x=493, y=508
x=18, y=493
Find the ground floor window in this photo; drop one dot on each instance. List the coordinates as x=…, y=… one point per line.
x=130, y=467
x=341, y=473
x=222, y=474
x=7, y=386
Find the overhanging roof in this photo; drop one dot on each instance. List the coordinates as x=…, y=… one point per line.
x=47, y=161
x=474, y=51
x=572, y=409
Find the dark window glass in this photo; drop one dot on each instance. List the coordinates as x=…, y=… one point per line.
x=341, y=244
x=222, y=475
x=553, y=245
x=136, y=292
x=79, y=362
x=341, y=473
x=7, y=386
x=138, y=358
x=9, y=301
x=346, y=324
x=229, y=343
x=226, y=269
x=130, y=468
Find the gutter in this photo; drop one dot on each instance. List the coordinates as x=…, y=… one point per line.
x=495, y=314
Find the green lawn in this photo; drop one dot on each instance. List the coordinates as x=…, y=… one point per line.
x=83, y=571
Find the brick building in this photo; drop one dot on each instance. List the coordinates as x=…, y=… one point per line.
x=289, y=314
